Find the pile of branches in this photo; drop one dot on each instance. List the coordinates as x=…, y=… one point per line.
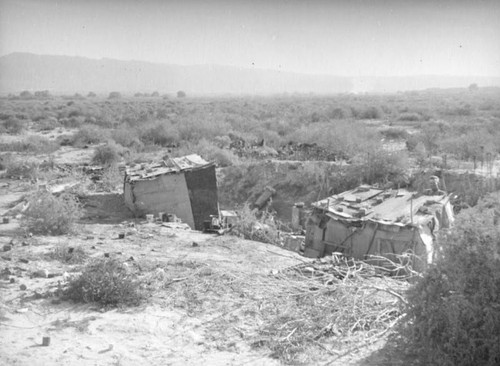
x=309, y=313
x=335, y=305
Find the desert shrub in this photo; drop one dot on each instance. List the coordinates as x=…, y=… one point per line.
x=454, y=310
x=380, y=166
x=13, y=125
x=409, y=116
x=367, y=113
x=108, y=282
x=127, y=138
x=336, y=113
x=88, y=135
x=394, y=133
x=160, y=134
x=181, y=94
x=114, y=95
x=106, y=155
x=33, y=143
x=68, y=254
x=52, y=215
x=17, y=169
x=255, y=225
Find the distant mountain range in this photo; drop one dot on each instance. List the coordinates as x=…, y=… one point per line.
x=69, y=75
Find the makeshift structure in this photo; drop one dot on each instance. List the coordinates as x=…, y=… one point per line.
x=374, y=221
x=185, y=186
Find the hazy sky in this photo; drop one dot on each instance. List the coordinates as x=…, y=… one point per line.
x=320, y=37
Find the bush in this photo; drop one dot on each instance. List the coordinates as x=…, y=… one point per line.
x=127, y=138
x=33, y=143
x=107, y=282
x=88, y=135
x=114, y=95
x=66, y=254
x=256, y=226
x=395, y=133
x=51, y=215
x=409, y=116
x=106, y=155
x=454, y=310
x=17, y=169
x=160, y=134
x=14, y=126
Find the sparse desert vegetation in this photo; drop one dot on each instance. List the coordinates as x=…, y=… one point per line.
x=242, y=295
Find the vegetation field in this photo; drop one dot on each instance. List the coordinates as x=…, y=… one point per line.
x=168, y=295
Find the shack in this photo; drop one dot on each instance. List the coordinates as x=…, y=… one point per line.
x=382, y=222
x=185, y=186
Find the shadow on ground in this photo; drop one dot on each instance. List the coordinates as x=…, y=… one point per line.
x=106, y=208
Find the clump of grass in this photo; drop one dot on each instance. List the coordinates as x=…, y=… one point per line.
x=108, y=282
x=67, y=254
x=257, y=226
x=51, y=215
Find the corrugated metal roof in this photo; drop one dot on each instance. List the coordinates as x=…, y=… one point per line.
x=169, y=166
x=394, y=206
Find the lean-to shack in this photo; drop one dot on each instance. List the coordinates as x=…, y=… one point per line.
x=185, y=186
x=374, y=221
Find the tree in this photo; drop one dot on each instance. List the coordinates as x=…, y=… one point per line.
x=42, y=94
x=114, y=95
x=473, y=87
x=26, y=94
x=91, y=95
x=155, y=94
x=181, y=94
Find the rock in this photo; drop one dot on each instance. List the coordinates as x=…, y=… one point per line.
x=23, y=260
x=23, y=287
x=106, y=255
x=90, y=237
x=12, y=280
x=131, y=259
x=7, y=247
x=22, y=310
x=195, y=244
x=25, y=243
x=43, y=273
x=52, y=275
x=6, y=257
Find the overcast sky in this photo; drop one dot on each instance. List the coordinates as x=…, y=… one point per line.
x=352, y=38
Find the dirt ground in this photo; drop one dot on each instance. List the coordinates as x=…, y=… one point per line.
x=164, y=330
x=155, y=333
